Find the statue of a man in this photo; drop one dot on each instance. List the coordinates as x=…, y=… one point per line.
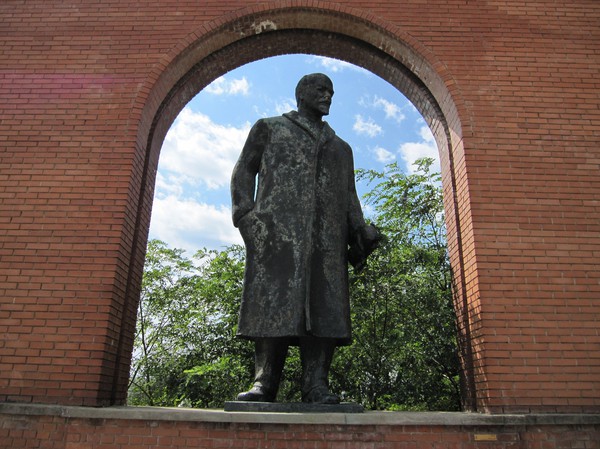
x=295, y=203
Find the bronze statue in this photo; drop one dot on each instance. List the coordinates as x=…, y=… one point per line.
x=295, y=204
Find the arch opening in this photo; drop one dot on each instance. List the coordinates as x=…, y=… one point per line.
x=420, y=84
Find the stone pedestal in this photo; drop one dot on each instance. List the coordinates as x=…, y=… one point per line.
x=292, y=407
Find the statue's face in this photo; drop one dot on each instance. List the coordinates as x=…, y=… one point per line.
x=316, y=96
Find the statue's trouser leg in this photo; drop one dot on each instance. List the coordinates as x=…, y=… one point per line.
x=316, y=355
x=269, y=358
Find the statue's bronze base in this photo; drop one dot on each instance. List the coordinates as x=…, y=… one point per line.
x=292, y=407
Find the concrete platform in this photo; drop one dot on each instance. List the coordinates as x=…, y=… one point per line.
x=157, y=414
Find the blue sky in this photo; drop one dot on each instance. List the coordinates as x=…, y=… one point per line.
x=191, y=208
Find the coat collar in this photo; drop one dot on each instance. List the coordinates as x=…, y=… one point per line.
x=324, y=134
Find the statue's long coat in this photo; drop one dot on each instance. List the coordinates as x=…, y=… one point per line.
x=296, y=229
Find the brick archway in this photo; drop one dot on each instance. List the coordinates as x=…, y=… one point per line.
x=337, y=33
x=508, y=87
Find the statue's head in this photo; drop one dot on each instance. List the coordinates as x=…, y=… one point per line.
x=313, y=94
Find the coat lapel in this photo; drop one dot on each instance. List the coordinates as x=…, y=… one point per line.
x=320, y=136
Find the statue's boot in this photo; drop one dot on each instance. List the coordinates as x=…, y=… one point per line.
x=269, y=358
x=316, y=355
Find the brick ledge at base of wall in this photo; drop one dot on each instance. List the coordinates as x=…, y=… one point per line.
x=367, y=418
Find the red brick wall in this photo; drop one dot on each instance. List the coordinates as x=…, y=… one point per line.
x=410, y=431
x=509, y=87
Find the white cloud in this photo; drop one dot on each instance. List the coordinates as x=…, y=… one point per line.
x=367, y=127
x=335, y=65
x=191, y=225
x=201, y=152
x=168, y=184
x=198, y=156
x=285, y=106
x=383, y=155
x=223, y=86
x=411, y=151
x=368, y=210
x=391, y=110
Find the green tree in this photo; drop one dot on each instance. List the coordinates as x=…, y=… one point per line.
x=184, y=343
x=404, y=353
x=226, y=362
